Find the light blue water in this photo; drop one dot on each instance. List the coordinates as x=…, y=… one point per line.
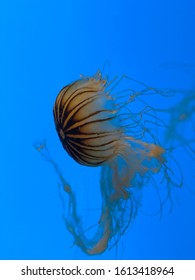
x=44, y=46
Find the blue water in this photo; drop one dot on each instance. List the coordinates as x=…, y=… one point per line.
x=44, y=46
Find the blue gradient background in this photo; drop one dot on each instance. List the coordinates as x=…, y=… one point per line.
x=47, y=44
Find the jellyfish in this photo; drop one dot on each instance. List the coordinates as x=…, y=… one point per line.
x=99, y=126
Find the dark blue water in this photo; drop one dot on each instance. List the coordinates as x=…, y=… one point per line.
x=48, y=44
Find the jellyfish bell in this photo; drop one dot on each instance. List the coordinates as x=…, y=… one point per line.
x=86, y=121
